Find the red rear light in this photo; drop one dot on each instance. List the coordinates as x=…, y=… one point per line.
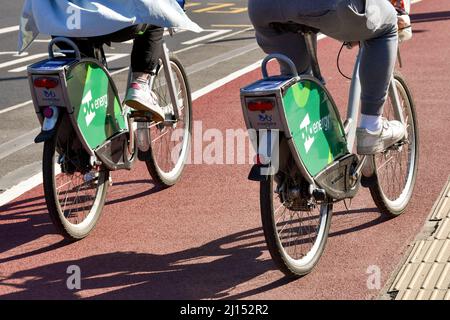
x=48, y=83
x=263, y=105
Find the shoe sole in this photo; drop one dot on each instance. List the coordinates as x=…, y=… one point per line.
x=374, y=149
x=136, y=105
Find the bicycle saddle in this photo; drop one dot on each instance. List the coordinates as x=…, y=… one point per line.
x=293, y=27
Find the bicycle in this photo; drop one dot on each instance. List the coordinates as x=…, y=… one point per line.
x=87, y=132
x=315, y=167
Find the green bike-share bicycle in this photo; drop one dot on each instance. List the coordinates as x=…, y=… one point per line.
x=305, y=159
x=87, y=132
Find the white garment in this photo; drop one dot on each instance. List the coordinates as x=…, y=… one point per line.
x=83, y=18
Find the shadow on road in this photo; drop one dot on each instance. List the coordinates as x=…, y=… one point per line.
x=212, y=270
x=27, y=220
x=430, y=16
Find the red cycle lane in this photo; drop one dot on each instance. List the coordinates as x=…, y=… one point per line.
x=202, y=239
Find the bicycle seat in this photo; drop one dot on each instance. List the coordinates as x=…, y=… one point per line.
x=293, y=27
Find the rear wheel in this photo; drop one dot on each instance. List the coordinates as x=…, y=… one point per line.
x=75, y=192
x=396, y=168
x=295, y=233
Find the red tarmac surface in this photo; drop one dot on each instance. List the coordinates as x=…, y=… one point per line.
x=202, y=239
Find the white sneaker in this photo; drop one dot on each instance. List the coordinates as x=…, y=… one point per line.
x=141, y=98
x=369, y=142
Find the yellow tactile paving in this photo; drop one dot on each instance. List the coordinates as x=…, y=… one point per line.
x=443, y=231
x=426, y=272
x=438, y=294
x=443, y=206
x=434, y=251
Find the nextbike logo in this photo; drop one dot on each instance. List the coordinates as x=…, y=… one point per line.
x=91, y=105
x=49, y=94
x=266, y=120
x=309, y=130
x=265, y=117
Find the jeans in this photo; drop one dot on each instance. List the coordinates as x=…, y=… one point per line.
x=373, y=22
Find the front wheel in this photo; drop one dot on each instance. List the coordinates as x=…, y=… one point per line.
x=295, y=234
x=396, y=168
x=170, y=141
x=74, y=191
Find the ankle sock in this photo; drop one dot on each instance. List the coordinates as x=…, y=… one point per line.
x=371, y=123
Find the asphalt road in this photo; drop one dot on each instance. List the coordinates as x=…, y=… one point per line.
x=202, y=239
x=227, y=36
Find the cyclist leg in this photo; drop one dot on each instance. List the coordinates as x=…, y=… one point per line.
x=147, y=49
x=263, y=13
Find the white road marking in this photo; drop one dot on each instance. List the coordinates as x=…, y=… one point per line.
x=19, y=61
x=17, y=106
x=13, y=53
x=9, y=29
x=216, y=33
x=110, y=57
x=18, y=143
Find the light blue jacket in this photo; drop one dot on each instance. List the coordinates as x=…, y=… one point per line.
x=83, y=18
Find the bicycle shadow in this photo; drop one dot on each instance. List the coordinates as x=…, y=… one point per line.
x=27, y=220
x=213, y=270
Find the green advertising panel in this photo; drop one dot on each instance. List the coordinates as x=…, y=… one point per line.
x=97, y=109
x=315, y=125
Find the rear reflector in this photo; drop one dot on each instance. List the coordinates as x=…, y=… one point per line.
x=48, y=83
x=48, y=112
x=263, y=105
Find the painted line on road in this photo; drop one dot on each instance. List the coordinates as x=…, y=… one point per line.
x=18, y=61
x=216, y=33
x=17, y=106
x=110, y=57
x=18, y=143
x=9, y=29
x=217, y=84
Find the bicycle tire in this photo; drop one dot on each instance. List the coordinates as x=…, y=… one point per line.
x=291, y=267
x=67, y=229
x=395, y=207
x=161, y=177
